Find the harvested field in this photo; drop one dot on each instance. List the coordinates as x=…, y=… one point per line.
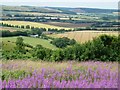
x=83, y=36
x=68, y=25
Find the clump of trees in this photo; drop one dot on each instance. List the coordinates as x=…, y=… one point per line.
x=103, y=48
x=63, y=42
x=7, y=33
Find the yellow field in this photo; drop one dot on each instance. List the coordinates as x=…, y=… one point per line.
x=33, y=24
x=83, y=36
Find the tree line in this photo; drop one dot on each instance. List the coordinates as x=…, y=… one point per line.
x=103, y=48
x=35, y=28
x=93, y=27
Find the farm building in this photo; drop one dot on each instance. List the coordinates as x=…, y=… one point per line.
x=35, y=36
x=48, y=32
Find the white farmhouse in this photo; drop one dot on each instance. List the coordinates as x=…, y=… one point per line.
x=35, y=36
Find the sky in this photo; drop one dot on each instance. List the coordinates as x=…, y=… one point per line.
x=104, y=4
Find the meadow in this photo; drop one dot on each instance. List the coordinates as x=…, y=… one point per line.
x=9, y=42
x=32, y=24
x=83, y=36
x=70, y=74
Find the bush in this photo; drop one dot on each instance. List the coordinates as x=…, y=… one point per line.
x=63, y=42
x=14, y=74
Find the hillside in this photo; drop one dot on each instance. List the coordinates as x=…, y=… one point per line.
x=62, y=10
x=83, y=36
x=84, y=10
x=92, y=10
x=29, y=9
x=9, y=42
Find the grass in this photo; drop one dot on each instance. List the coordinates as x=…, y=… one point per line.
x=28, y=65
x=83, y=36
x=29, y=40
x=33, y=24
x=73, y=74
x=8, y=45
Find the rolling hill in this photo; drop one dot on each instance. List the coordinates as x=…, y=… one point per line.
x=9, y=42
x=83, y=36
x=62, y=10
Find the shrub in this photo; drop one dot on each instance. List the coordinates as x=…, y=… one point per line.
x=14, y=74
x=63, y=42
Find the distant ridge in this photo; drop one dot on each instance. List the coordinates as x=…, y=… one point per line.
x=64, y=10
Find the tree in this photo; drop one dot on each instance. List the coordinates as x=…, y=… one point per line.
x=72, y=42
x=57, y=55
x=39, y=52
x=107, y=40
x=36, y=31
x=69, y=53
x=28, y=27
x=22, y=27
x=20, y=47
x=63, y=42
x=6, y=33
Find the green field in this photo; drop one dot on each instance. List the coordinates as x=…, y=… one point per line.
x=32, y=24
x=9, y=42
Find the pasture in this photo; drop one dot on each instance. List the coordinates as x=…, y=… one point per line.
x=83, y=36
x=32, y=24
x=9, y=42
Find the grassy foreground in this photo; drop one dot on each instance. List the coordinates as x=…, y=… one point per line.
x=38, y=74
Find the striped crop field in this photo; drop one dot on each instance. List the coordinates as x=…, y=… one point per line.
x=83, y=36
x=32, y=24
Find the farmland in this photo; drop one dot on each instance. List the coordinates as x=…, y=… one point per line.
x=59, y=47
x=83, y=36
x=69, y=25
x=28, y=40
x=33, y=24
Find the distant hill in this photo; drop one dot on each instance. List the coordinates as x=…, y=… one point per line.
x=29, y=9
x=85, y=10
x=63, y=10
x=92, y=10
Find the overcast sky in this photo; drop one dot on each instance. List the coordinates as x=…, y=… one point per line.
x=110, y=4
